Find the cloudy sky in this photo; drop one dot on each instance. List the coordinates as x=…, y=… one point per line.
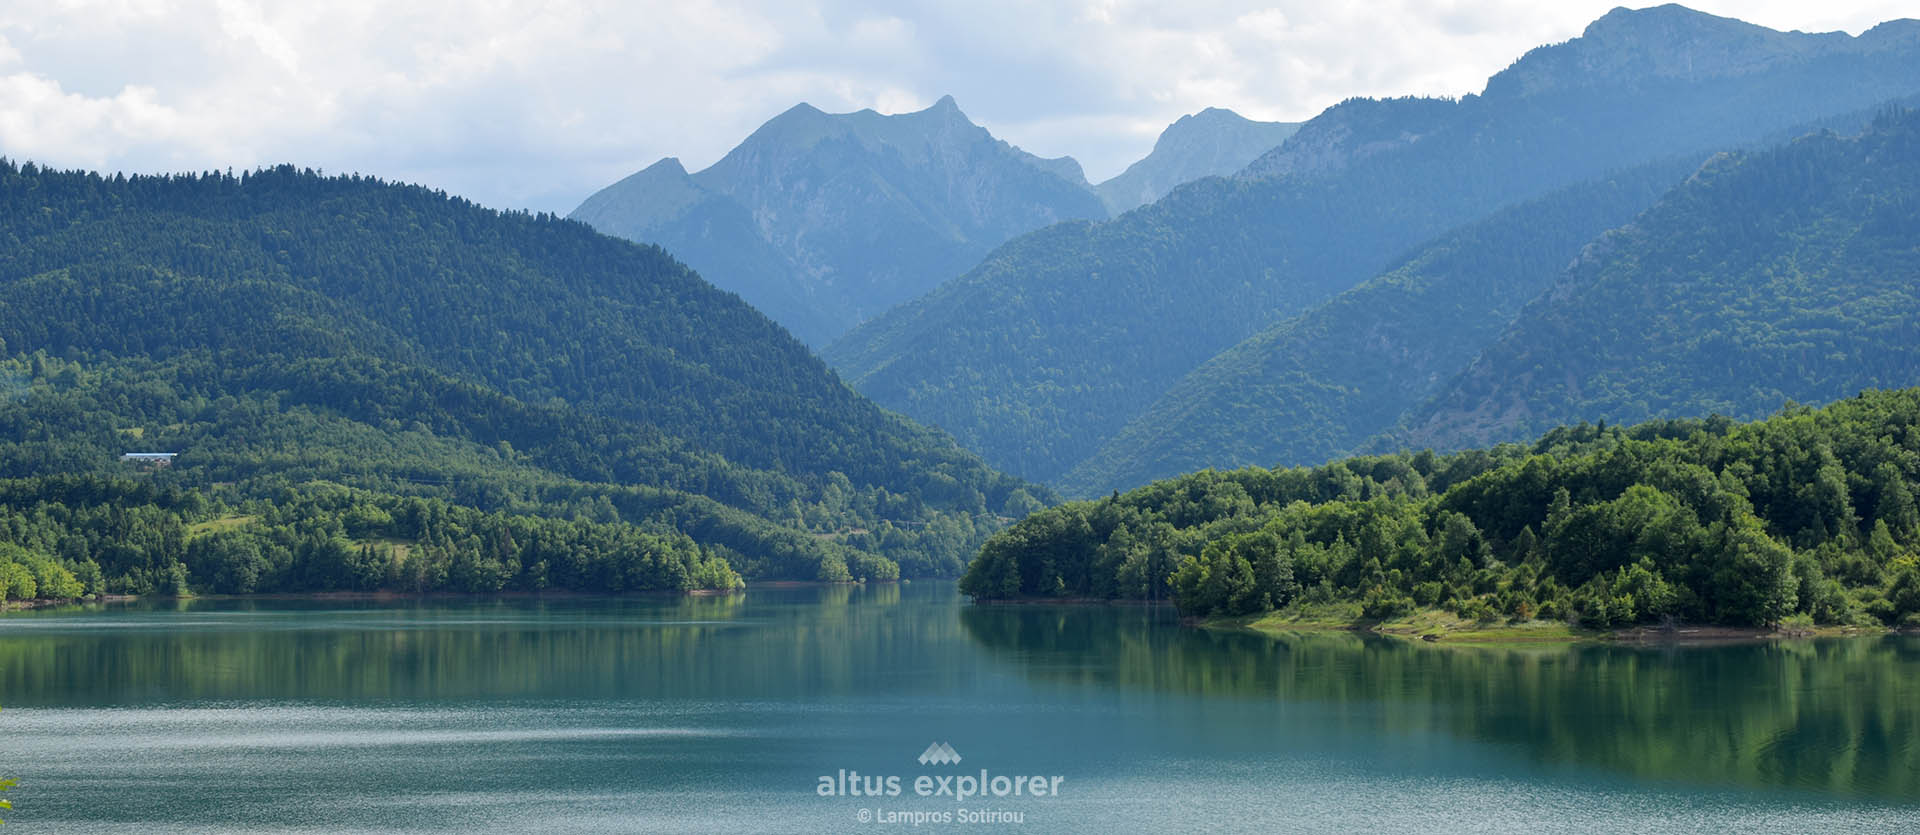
x=535, y=105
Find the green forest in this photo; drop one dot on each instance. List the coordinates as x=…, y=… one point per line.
x=1809, y=514
x=290, y=334
x=69, y=536
x=1791, y=273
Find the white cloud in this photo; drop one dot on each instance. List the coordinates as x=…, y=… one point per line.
x=535, y=105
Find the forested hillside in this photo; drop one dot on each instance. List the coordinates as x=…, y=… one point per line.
x=68, y=536
x=1058, y=339
x=716, y=235
x=825, y=219
x=1789, y=274
x=282, y=331
x=1319, y=385
x=1808, y=513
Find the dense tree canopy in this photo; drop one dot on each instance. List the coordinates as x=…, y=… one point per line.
x=1790, y=273
x=65, y=536
x=1810, y=512
x=281, y=328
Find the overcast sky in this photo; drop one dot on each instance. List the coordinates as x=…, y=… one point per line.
x=536, y=105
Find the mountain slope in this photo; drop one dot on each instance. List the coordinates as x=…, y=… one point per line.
x=1058, y=339
x=1319, y=385
x=1212, y=143
x=823, y=220
x=663, y=203
x=1792, y=274
x=538, y=364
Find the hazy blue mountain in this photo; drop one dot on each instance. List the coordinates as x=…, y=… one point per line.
x=663, y=203
x=1317, y=386
x=1791, y=274
x=1060, y=338
x=1212, y=143
x=823, y=220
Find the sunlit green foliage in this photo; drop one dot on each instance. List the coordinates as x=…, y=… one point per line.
x=1808, y=512
x=69, y=536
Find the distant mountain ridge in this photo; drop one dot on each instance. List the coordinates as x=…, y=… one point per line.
x=1787, y=275
x=1317, y=386
x=822, y=220
x=1627, y=51
x=1060, y=338
x=1213, y=142
x=1676, y=43
x=1329, y=381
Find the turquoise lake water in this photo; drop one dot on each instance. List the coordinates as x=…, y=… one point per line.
x=724, y=714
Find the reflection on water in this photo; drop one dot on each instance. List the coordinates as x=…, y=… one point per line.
x=1839, y=715
x=575, y=648
x=719, y=713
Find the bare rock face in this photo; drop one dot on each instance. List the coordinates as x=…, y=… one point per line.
x=1212, y=143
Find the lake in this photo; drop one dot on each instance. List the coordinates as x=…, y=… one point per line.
x=761, y=712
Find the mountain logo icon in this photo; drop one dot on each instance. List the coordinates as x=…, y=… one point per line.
x=939, y=753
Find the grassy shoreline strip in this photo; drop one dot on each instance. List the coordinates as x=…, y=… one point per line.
x=1441, y=626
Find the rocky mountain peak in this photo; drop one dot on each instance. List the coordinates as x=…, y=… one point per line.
x=1212, y=142
x=1671, y=41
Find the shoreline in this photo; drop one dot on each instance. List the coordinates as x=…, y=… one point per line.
x=1436, y=626
x=391, y=595
x=1441, y=627
x=382, y=595
x=1067, y=601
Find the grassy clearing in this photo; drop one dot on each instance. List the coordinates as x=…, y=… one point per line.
x=220, y=524
x=1436, y=625
x=398, y=548
x=1304, y=617
x=1442, y=626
